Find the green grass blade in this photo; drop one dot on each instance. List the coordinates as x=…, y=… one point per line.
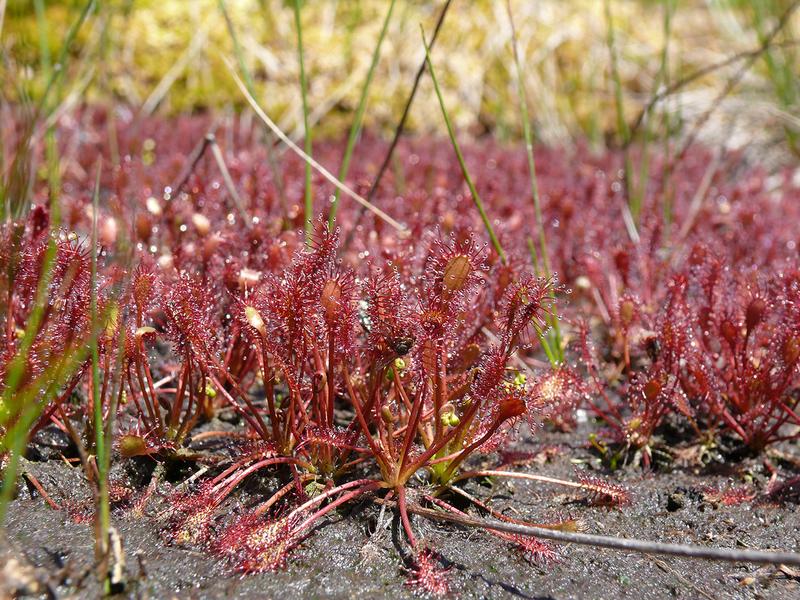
x=57, y=74
x=250, y=84
x=355, y=129
x=451, y=132
x=33, y=401
x=104, y=505
x=666, y=192
x=551, y=343
x=528, y=136
x=45, y=60
x=623, y=130
x=309, y=145
x=237, y=47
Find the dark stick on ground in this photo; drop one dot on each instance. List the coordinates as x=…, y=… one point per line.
x=194, y=158
x=623, y=544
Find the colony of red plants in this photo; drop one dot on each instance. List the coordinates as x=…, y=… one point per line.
x=365, y=355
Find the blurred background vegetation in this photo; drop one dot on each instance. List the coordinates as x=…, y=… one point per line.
x=166, y=56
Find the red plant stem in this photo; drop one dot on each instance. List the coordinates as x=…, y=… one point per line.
x=411, y=426
x=733, y=424
x=155, y=421
x=319, y=406
x=176, y=404
x=256, y=415
x=254, y=423
x=441, y=442
x=269, y=390
x=403, y=508
x=235, y=467
x=379, y=455
x=439, y=388
x=262, y=508
x=466, y=451
x=331, y=384
x=236, y=479
x=332, y=492
x=500, y=516
x=339, y=501
x=47, y=415
x=188, y=419
x=356, y=423
x=151, y=386
x=204, y=435
x=142, y=413
x=35, y=483
x=426, y=440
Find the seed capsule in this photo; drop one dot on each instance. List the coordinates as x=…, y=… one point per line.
x=626, y=309
x=254, y=319
x=456, y=273
x=142, y=331
x=652, y=389
x=755, y=312
x=330, y=298
x=791, y=350
x=728, y=331
x=248, y=278
x=201, y=223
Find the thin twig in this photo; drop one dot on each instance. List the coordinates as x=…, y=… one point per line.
x=226, y=176
x=248, y=79
x=194, y=157
x=159, y=92
x=700, y=194
x=732, y=83
x=476, y=199
x=297, y=150
x=45, y=496
x=400, y=128
x=699, y=74
x=355, y=129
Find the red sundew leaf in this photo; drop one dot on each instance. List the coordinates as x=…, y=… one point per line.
x=524, y=309
x=192, y=516
x=252, y=544
x=785, y=491
x=536, y=551
x=385, y=315
x=79, y=511
x=191, y=322
x=541, y=456
x=427, y=575
x=338, y=438
x=729, y=497
x=143, y=287
x=602, y=492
